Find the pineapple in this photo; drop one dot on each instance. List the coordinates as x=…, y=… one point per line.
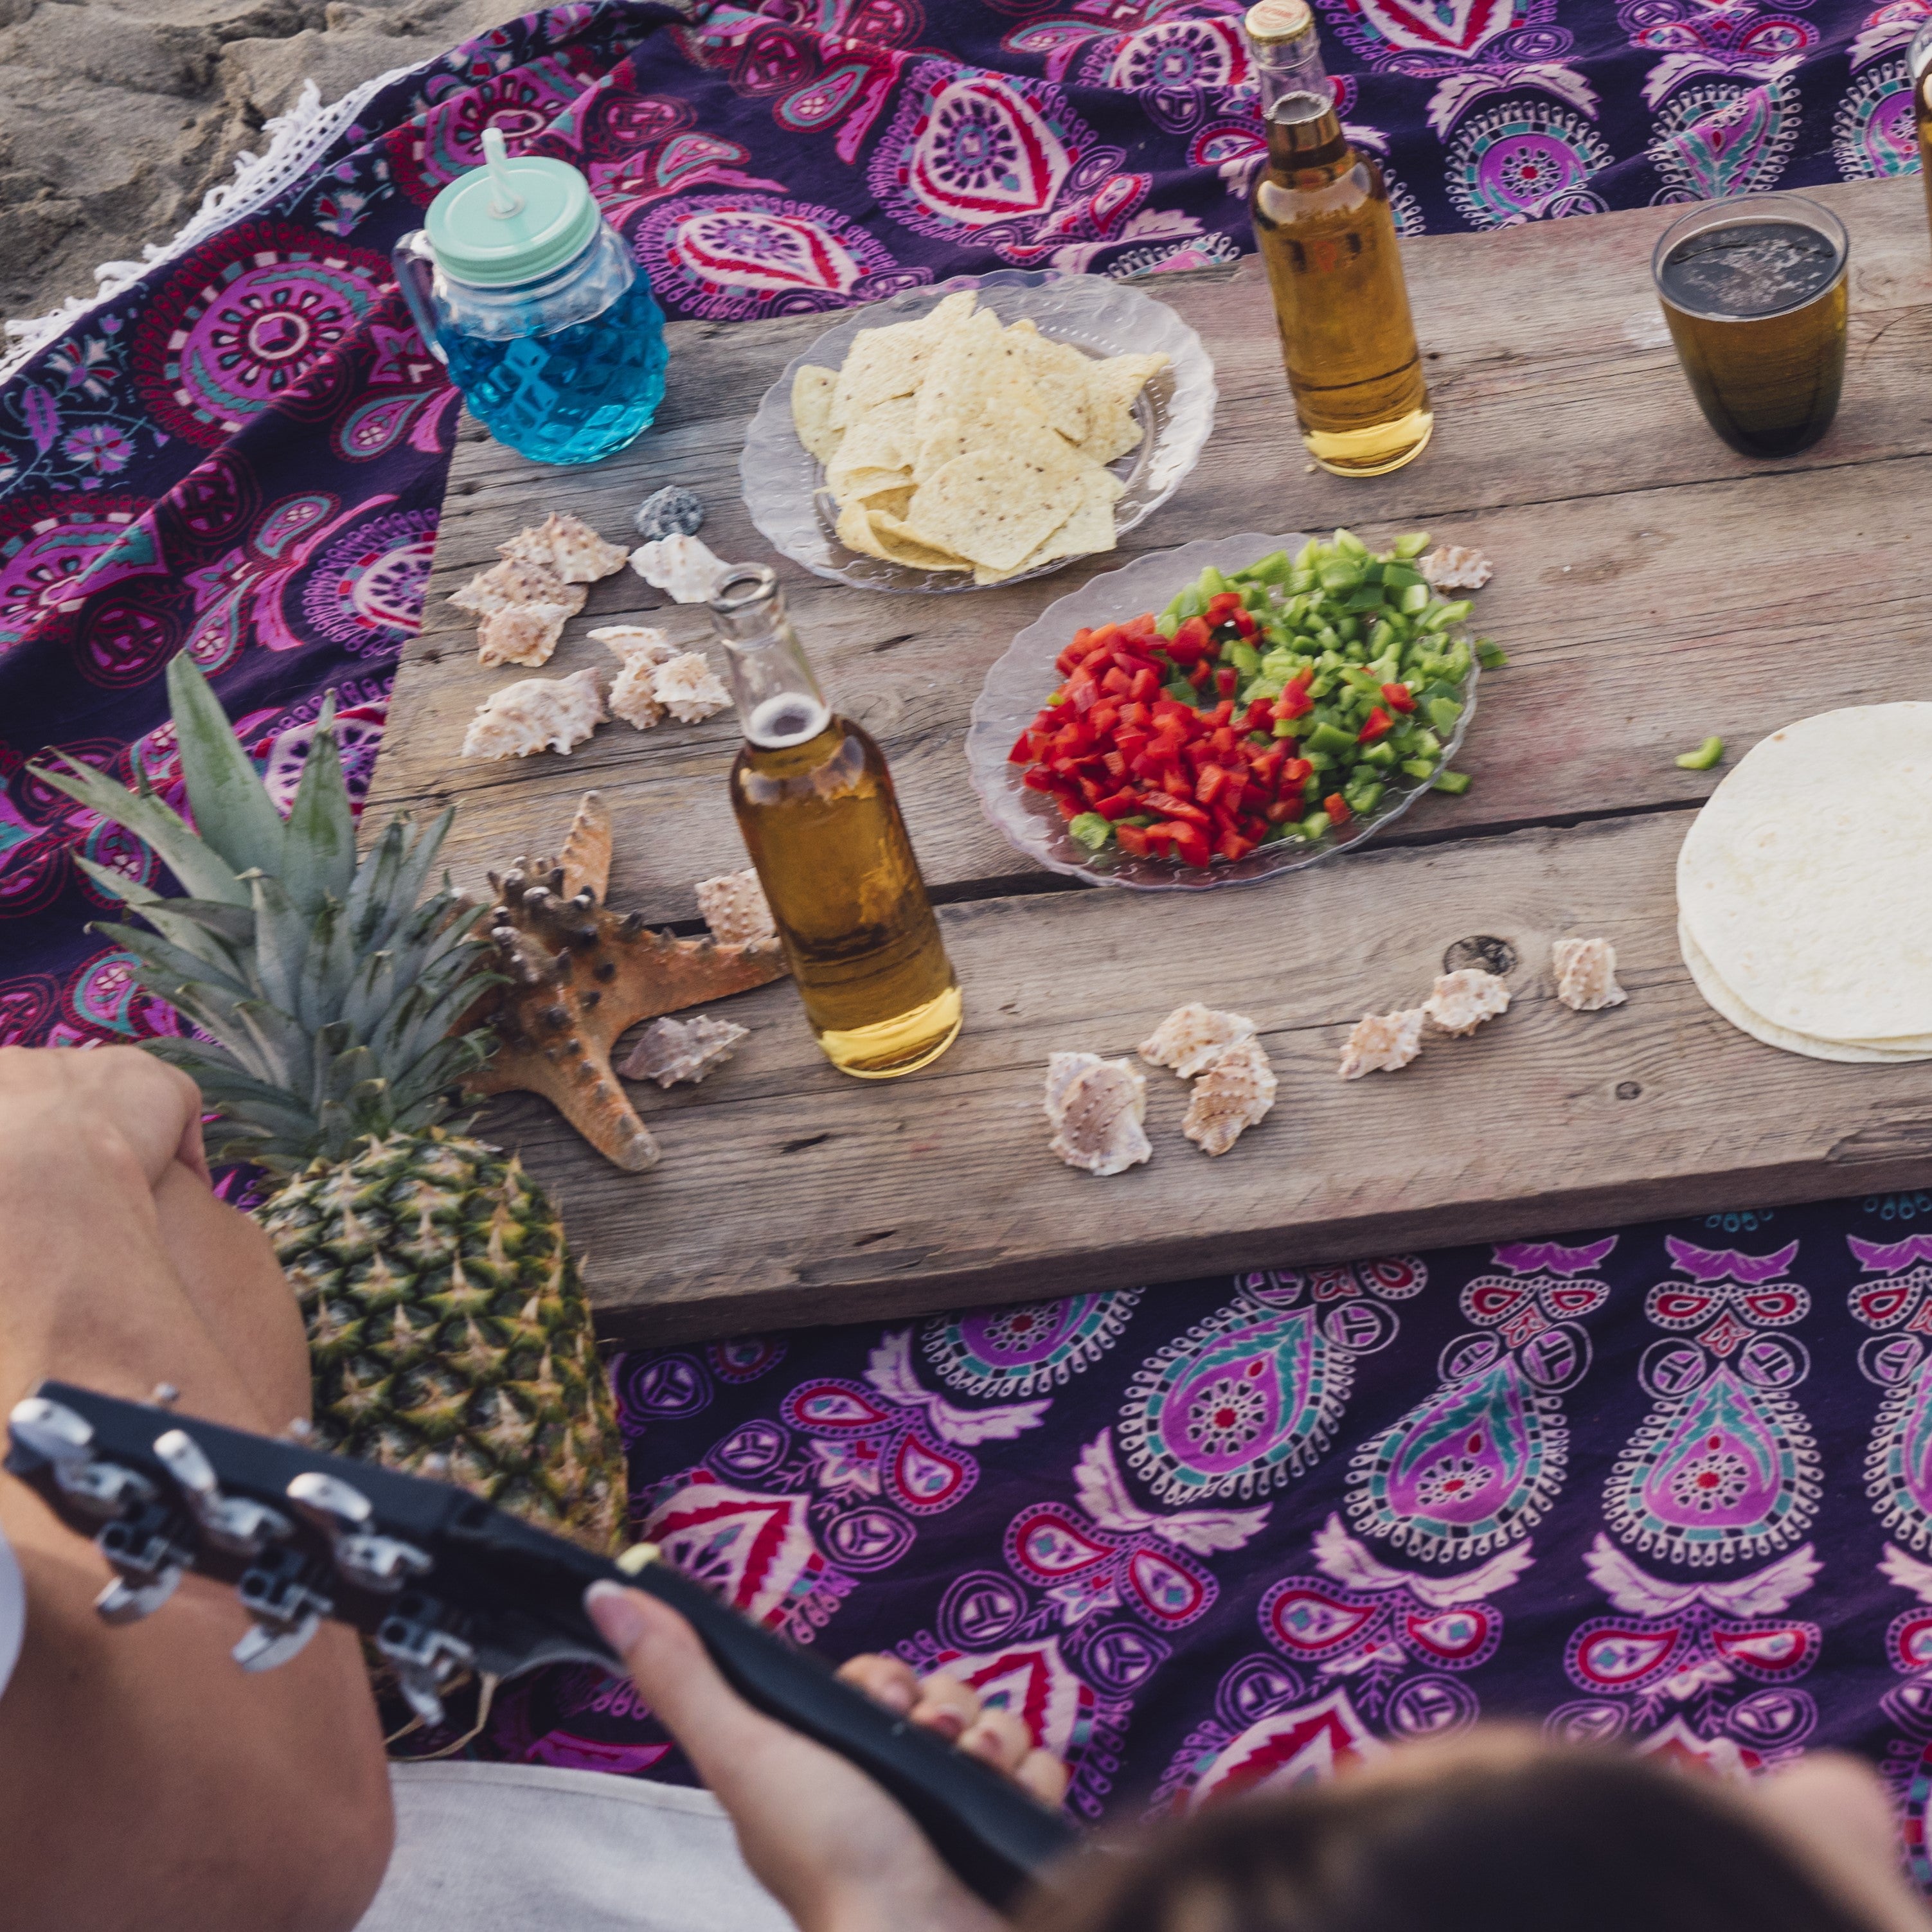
x=449, y=1331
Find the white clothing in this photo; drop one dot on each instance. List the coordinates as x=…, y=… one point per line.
x=526, y=1848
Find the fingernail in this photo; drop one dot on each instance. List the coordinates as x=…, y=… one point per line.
x=615, y=1612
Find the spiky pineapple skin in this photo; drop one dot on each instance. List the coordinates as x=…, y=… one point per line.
x=448, y=1329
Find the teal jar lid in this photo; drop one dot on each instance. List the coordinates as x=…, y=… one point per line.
x=511, y=221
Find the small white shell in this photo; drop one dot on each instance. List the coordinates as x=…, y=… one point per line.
x=1382, y=1042
x=1100, y=1111
x=1457, y=567
x=668, y=1051
x=681, y=565
x=1462, y=1001
x=520, y=634
x=633, y=642
x=1232, y=1095
x=567, y=545
x=515, y=581
x=631, y=696
x=734, y=906
x=538, y=714
x=1191, y=1036
x=1586, y=974
x=688, y=688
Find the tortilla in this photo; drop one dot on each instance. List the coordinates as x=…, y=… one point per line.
x=882, y=363
x=812, y=410
x=881, y=440
x=1801, y=882
x=885, y=537
x=995, y=505
x=1727, y=1004
x=1058, y=371
x=1089, y=529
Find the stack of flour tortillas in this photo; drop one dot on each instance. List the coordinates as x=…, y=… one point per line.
x=1804, y=887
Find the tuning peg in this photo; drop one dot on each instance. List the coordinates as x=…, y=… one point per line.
x=124, y=1602
x=164, y=1395
x=235, y=1523
x=426, y=1656
x=49, y=1430
x=51, y=1433
x=341, y=1510
x=147, y=1562
x=280, y=1591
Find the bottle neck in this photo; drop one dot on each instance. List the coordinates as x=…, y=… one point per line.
x=779, y=702
x=1298, y=103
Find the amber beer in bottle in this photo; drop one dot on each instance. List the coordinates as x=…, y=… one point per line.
x=815, y=804
x=1918, y=66
x=1327, y=234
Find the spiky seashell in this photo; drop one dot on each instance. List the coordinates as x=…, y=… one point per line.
x=537, y=714
x=1062, y=1070
x=505, y=585
x=679, y=564
x=672, y=511
x=689, y=689
x=580, y=975
x=1462, y=1001
x=1100, y=1111
x=633, y=697
x=635, y=643
x=568, y=545
x=1382, y=1042
x=520, y=634
x=1191, y=1036
x=1233, y=1093
x=1457, y=567
x=734, y=906
x=669, y=1050
x=585, y=856
x=1586, y=974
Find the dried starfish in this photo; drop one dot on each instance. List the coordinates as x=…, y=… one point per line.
x=580, y=975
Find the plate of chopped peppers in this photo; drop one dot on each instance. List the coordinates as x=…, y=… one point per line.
x=1222, y=712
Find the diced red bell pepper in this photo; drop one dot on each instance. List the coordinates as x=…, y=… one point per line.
x=1130, y=744
x=1225, y=679
x=1159, y=836
x=1220, y=604
x=1294, y=701
x=1117, y=681
x=1223, y=713
x=1118, y=805
x=1171, y=711
x=1232, y=791
x=1226, y=741
x=1337, y=807
x=1142, y=627
x=1191, y=643
x=1378, y=725
x=1071, y=808
x=1133, y=840
x=1071, y=740
x=1085, y=696
x=1399, y=697
x=1282, y=810
x=1245, y=624
x=1022, y=752
x=1198, y=676
x=1178, y=808
x=1297, y=772
x=1103, y=719
x=1190, y=845
x=1257, y=716
x=1117, y=766
x=1208, y=785
x=1232, y=845
x=1036, y=778
x=1144, y=685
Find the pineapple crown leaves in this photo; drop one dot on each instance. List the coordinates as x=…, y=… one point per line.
x=327, y=991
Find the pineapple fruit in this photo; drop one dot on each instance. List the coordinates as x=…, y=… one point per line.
x=449, y=1332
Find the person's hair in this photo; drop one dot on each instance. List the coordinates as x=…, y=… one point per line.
x=1500, y=1834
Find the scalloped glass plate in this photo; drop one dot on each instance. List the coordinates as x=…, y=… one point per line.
x=1017, y=686
x=784, y=483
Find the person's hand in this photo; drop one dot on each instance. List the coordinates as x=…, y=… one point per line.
x=118, y=1104
x=827, y=1843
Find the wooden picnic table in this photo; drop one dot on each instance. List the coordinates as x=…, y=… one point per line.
x=1651, y=588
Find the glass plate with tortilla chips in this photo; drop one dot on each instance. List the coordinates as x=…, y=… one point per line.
x=988, y=430
x=1018, y=685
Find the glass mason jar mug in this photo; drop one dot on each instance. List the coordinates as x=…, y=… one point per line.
x=528, y=295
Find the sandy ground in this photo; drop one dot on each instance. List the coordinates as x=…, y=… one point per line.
x=117, y=116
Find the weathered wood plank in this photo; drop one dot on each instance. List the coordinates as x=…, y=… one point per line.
x=789, y=1194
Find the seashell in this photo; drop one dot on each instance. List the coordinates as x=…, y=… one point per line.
x=632, y=698
x=668, y=1051
x=514, y=581
x=688, y=688
x=1233, y=1094
x=520, y=634
x=1100, y=1109
x=585, y=857
x=1457, y=567
x=1586, y=974
x=539, y=714
x=1062, y=1070
x=671, y=512
x=679, y=564
x=1462, y=1001
x=631, y=643
x=567, y=545
x=1191, y=1036
x=734, y=906
x=1382, y=1042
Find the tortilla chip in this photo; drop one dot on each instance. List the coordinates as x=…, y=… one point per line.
x=893, y=503
x=1059, y=374
x=1120, y=379
x=882, y=363
x=976, y=372
x=812, y=410
x=994, y=505
x=1088, y=531
x=860, y=530
x=881, y=439
x=1112, y=433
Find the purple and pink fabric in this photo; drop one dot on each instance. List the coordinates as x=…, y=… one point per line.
x=1670, y=1485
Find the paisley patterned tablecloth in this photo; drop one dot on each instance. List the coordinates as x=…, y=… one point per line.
x=1673, y=1485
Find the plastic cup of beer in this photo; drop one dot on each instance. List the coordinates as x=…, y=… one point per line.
x=1753, y=290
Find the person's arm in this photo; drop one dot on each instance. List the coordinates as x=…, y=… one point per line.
x=825, y=1841
x=146, y=1780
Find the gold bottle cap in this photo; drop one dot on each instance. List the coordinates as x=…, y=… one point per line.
x=1272, y=23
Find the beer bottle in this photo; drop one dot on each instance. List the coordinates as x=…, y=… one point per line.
x=1327, y=235
x=814, y=801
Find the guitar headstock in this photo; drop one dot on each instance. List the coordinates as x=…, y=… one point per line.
x=438, y=1580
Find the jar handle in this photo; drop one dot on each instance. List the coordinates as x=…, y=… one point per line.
x=414, y=263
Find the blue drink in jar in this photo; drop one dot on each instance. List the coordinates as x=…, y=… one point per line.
x=546, y=325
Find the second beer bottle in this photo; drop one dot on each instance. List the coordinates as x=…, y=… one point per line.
x=815, y=804
x=1327, y=234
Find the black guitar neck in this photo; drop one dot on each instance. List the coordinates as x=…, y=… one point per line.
x=440, y=1581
